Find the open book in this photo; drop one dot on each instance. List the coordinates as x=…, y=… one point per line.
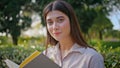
x=36, y=60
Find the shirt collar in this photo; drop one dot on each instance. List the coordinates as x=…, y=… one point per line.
x=75, y=48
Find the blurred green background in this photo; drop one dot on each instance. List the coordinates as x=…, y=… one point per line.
x=22, y=29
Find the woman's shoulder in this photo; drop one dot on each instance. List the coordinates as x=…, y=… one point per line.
x=92, y=53
x=94, y=57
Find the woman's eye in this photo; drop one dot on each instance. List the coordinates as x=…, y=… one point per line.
x=60, y=20
x=49, y=23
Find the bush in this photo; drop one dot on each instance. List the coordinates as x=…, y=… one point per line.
x=113, y=44
x=110, y=51
x=15, y=53
x=3, y=40
x=112, y=60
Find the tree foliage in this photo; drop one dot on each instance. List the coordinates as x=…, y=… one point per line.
x=10, y=18
x=91, y=14
x=101, y=24
x=15, y=14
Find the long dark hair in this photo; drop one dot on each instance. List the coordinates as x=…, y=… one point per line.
x=67, y=9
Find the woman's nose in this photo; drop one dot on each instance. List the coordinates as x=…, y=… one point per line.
x=55, y=26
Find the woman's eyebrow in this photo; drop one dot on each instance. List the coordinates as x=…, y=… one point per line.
x=60, y=17
x=56, y=18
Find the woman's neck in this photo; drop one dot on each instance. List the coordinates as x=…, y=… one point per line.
x=66, y=45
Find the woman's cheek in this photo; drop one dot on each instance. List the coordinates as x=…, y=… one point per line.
x=50, y=29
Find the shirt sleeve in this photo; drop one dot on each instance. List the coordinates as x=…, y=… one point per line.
x=96, y=61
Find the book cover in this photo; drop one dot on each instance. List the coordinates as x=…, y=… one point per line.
x=35, y=60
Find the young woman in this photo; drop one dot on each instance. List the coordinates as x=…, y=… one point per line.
x=69, y=49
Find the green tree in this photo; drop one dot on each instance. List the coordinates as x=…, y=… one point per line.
x=92, y=15
x=101, y=24
x=10, y=13
x=86, y=13
x=10, y=17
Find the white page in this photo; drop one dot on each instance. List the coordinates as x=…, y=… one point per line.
x=11, y=64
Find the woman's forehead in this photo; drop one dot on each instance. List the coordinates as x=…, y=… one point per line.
x=55, y=14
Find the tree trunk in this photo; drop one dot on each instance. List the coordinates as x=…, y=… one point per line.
x=100, y=35
x=15, y=40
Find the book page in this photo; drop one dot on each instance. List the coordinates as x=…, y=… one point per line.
x=11, y=64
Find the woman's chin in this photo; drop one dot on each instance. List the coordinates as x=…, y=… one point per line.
x=58, y=39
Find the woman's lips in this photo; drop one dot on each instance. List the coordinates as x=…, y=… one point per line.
x=56, y=33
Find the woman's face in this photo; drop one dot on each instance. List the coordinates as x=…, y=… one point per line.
x=58, y=25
